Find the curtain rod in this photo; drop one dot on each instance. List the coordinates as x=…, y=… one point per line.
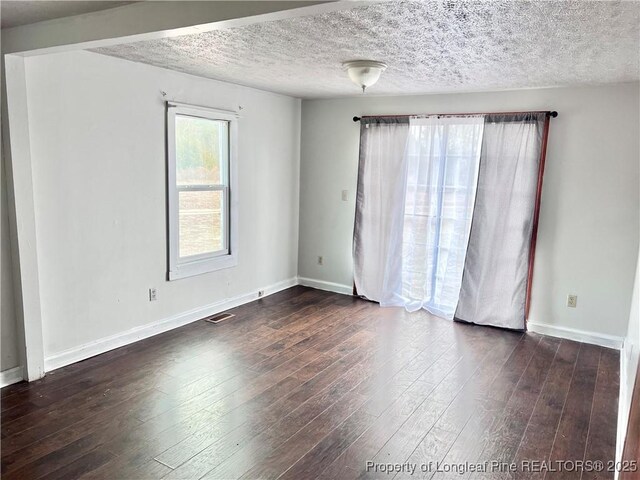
x=553, y=114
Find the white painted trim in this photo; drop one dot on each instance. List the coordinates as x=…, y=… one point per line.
x=628, y=366
x=328, y=286
x=11, y=376
x=624, y=401
x=103, y=345
x=601, y=339
x=22, y=215
x=227, y=257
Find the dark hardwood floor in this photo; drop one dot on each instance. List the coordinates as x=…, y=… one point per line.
x=307, y=384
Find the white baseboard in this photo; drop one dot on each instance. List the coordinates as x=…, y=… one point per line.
x=328, y=286
x=623, y=401
x=609, y=341
x=13, y=375
x=103, y=345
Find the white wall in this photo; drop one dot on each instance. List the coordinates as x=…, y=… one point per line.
x=630, y=355
x=588, y=232
x=9, y=357
x=97, y=139
x=97, y=144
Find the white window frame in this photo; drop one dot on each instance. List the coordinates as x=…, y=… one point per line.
x=208, y=262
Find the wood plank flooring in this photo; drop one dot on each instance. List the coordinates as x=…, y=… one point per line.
x=307, y=384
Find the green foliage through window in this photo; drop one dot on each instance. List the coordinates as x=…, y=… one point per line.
x=199, y=144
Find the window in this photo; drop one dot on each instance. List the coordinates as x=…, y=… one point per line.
x=201, y=149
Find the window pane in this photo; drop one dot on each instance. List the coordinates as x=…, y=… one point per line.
x=201, y=150
x=201, y=222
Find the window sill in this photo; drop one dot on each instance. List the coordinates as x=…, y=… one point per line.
x=200, y=267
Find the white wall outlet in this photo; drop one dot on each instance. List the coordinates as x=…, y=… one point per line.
x=320, y=260
x=345, y=195
x=260, y=293
x=153, y=294
x=572, y=301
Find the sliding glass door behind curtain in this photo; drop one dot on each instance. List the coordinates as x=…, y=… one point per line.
x=445, y=214
x=442, y=156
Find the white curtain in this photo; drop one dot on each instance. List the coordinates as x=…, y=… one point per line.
x=442, y=158
x=416, y=190
x=379, y=204
x=444, y=214
x=494, y=287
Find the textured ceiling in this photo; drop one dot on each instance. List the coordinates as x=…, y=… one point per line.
x=15, y=13
x=429, y=46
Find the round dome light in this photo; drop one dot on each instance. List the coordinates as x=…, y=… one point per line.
x=364, y=73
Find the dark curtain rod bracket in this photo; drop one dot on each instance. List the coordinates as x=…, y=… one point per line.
x=552, y=114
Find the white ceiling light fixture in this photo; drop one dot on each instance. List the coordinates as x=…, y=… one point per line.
x=364, y=73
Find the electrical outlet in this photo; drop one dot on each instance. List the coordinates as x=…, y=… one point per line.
x=260, y=293
x=572, y=301
x=345, y=195
x=320, y=260
x=153, y=295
